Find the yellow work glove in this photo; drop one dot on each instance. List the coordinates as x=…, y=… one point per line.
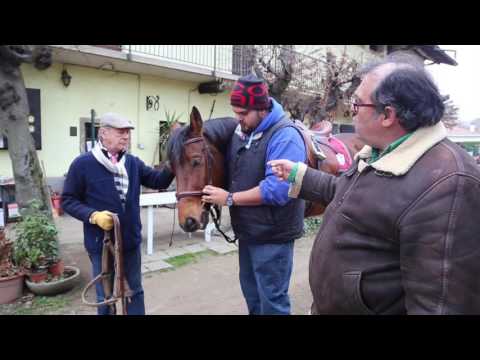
x=103, y=219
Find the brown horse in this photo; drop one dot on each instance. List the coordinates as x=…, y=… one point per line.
x=196, y=154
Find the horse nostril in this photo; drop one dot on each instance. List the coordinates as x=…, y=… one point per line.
x=191, y=225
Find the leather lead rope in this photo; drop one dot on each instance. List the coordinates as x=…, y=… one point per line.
x=216, y=217
x=112, y=267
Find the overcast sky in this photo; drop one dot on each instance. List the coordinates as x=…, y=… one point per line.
x=461, y=82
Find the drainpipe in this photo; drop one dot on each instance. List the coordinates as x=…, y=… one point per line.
x=92, y=122
x=129, y=54
x=139, y=145
x=214, y=61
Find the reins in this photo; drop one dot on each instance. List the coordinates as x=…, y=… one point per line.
x=216, y=218
x=112, y=265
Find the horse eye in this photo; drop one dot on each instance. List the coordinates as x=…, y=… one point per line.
x=195, y=162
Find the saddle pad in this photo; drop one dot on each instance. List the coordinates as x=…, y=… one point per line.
x=343, y=155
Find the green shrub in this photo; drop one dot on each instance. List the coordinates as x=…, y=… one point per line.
x=36, y=239
x=312, y=224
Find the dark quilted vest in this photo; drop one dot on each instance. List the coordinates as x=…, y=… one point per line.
x=264, y=223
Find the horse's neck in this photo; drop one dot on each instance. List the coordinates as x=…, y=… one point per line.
x=220, y=130
x=218, y=165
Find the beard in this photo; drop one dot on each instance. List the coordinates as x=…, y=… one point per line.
x=246, y=130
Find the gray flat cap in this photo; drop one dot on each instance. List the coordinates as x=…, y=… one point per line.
x=115, y=121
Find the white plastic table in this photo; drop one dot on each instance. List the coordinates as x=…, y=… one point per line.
x=162, y=198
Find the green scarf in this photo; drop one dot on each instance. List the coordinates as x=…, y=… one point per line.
x=376, y=154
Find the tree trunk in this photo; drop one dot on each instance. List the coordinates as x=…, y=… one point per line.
x=29, y=181
x=286, y=58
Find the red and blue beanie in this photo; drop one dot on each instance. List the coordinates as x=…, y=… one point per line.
x=250, y=92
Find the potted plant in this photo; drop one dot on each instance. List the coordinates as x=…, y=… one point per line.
x=36, y=243
x=165, y=127
x=11, y=276
x=36, y=250
x=56, y=267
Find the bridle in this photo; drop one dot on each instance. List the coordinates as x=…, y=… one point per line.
x=207, y=206
x=206, y=149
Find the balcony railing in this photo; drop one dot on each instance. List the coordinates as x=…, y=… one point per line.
x=309, y=72
x=229, y=59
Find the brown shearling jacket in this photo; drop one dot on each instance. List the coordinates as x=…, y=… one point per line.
x=401, y=235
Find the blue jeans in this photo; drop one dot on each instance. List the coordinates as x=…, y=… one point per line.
x=133, y=272
x=265, y=272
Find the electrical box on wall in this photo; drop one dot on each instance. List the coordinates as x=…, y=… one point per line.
x=211, y=87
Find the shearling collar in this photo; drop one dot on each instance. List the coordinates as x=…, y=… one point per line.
x=401, y=159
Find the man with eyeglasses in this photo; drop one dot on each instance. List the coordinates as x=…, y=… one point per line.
x=400, y=233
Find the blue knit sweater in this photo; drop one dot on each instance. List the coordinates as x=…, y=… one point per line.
x=90, y=187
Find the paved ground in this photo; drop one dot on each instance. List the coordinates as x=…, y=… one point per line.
x=209, y=285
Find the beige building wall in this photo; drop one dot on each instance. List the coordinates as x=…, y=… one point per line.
x=104, y=91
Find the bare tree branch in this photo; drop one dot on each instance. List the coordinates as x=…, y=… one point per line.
x=316, y=87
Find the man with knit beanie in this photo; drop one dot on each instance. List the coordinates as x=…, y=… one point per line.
x=265, y=220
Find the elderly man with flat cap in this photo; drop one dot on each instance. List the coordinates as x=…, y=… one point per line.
x=107, y=180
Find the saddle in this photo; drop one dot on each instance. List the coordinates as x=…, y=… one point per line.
x=112, y=269
x=314, y=153
x=344, y=158
x=323, y=136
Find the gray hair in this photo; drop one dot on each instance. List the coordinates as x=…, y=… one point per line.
x=409, y=89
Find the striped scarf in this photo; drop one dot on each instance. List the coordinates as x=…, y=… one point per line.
x=120, y=175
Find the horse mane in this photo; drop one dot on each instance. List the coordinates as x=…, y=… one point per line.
x=218, y=132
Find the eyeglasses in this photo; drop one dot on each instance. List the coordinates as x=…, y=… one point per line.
x=356, y=105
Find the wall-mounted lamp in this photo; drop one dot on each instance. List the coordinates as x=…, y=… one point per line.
x=66, y=78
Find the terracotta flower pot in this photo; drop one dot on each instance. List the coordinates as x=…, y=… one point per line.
x=11, y=288
x=56, y=287
x=57, y=268
x=38, y=276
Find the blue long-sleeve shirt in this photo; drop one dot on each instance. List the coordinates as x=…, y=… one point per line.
x=286, y=143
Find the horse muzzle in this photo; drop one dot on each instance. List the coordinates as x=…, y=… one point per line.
x=191, y=224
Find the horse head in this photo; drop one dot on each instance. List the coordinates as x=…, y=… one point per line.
x=196, y=161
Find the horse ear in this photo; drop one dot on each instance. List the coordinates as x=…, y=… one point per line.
x=196, y=122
